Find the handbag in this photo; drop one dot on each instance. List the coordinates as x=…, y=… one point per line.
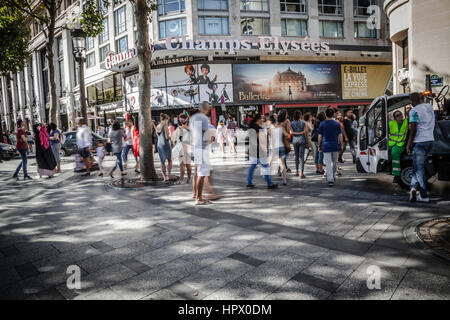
x=287, y=144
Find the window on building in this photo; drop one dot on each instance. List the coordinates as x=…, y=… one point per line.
x=405, y=53
x=361, y=31
x=120, y=23
x=360, y=7
x=102, y=6
x=108, y=89
x=173, y=27
x=298, y=6
x=117, y=2
x=294, y=27
x=103, y=51
x=122, y=44
x=255, y=5
x=62, y=83
x=89, y=43
x=330, y=7
x=90, y=60
x=216, y=5
x=104, y=35
x=255, y=26
x=170, y=6
x=117, y=86
x=331, y=29
x=213, y=25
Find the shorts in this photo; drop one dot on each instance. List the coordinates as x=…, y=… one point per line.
x=84, y=153
x=201, y=159
x=281, y=152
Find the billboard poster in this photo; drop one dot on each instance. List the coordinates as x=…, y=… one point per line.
x=217, y=93
x=158, y=98
x=364, y=81
x=286, y=82
x=182, y=95
x=158, y=78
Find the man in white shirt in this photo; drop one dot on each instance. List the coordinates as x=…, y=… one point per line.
x=420, y=142
x=84, y=144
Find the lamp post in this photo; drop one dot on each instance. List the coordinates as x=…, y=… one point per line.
x=78, y=46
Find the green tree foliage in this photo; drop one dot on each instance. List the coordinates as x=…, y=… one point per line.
x=14, y=36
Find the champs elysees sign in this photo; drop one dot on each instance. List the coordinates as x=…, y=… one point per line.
x=233, y=45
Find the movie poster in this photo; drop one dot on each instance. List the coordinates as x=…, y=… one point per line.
x=158, y=79
x=217, y=93
x=158, y=98
x=183, y=95
x=286, y=82
x=364, y=81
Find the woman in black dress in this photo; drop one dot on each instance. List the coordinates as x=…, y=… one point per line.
x=44, y=155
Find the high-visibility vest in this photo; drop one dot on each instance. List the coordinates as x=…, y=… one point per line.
x=397, y=137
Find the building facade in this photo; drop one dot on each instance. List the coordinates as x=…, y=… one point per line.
x=419, y=32
x=240, y=55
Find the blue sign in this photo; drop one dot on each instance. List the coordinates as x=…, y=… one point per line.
x=436, y=81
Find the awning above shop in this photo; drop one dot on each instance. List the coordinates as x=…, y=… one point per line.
x=319, y=104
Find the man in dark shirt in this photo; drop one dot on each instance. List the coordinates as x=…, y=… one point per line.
x=349, y=133
x=21, y=145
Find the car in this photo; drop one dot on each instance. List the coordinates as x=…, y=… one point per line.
x=8, y=151
x=69, y=146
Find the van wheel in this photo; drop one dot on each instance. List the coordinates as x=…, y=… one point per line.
x=62, y=153
x=405, y=177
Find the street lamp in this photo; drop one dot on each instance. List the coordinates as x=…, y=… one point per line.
x=78, y=46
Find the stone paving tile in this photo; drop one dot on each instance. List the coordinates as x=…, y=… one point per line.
x=9, y=251
x=316, y=282
x=420, y=285
x=184, y=291
x=168, y=253
x=267, y=247
x=155, y=279
x=30, y=256
x=135, y=265
x=246, y=259
x=26, y=270
x=97, y=281
x=207, y=255
x=122, y=239
x=334, y=266
x=168, y=238
x=67, y=258
x=50, y=294
x=236, y=291
x=215, y=276
x=221, y=232
x=109, y=258
x=105, y=294
x=102, y=246
x=163, y=294
x=307, y=250
x=270, y=275
x=294, y=290
x=9, y=276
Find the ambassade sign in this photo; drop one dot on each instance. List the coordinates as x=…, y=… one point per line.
x=232, y=45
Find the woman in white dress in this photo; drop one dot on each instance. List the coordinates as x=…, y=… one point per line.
x=220, y=136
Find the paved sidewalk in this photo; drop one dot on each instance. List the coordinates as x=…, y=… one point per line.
x=301, y=241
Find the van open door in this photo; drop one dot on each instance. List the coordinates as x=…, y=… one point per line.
x=377, y=134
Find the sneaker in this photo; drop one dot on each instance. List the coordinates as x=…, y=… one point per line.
x=341, y=160
x=15, y=176
x=27, y=178
x=412, y=195
x=251, y=186
x=330, y=184
x=87, y=174
x=420, y=199
x=100, y=174
x=288, y=170
x=274, y=186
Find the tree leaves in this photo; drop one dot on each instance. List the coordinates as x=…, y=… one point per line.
x=14, y=36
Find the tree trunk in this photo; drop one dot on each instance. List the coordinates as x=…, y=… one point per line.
x=148, y=172
x=51, y=69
